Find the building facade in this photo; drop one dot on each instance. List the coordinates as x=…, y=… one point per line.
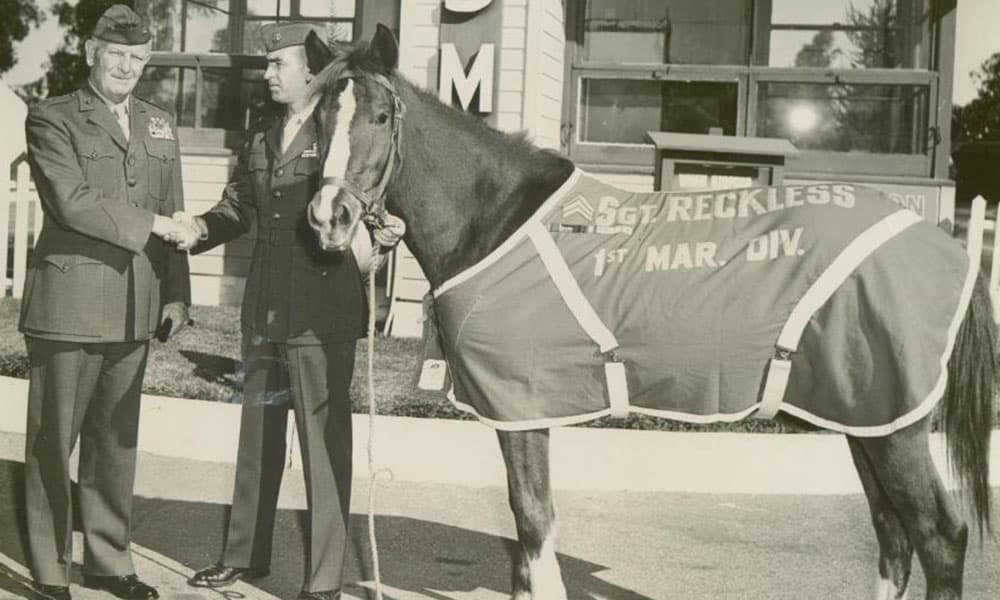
x=861, y=88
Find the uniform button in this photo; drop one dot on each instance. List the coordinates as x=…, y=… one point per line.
x=131, y=160
x=131, y=182
x=277, y=193
x=277, y=215
x=280, y=173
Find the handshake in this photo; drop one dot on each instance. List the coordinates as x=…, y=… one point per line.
x=183, y=230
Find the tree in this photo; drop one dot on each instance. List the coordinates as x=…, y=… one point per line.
x=68, y=65
x=979, y=120
x=16, y=19
x=817, y=53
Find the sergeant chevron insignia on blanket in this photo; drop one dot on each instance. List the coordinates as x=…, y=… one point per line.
x=826, y=301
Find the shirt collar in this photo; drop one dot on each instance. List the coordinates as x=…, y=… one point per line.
x=123, y=104
x=301, y=115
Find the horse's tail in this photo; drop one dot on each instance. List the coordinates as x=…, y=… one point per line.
x=967, y=410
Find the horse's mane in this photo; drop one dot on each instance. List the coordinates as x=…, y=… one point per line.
x=512, y=146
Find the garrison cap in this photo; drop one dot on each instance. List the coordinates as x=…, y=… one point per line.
x=120, y=25
x=282, y=35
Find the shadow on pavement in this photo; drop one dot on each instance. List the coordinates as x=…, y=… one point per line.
x=418, y=559
x=216, y=369
x=437, y=561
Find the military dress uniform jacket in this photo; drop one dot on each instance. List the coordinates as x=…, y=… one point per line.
x=96, y=273
x=295, y=292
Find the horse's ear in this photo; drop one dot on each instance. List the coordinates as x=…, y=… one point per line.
x=318, y=54
x=384, y=48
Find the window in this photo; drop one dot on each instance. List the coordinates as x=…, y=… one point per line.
x=835, y=77
x=710, y=32
x=874, y=118
x=336, y=17
x=622, y=110
x=848, y=34
x=207, y=66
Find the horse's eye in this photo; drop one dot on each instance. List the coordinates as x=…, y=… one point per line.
x=382, y=118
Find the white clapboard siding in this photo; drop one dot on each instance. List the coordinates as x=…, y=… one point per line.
x=218, y=275
x=406, y=293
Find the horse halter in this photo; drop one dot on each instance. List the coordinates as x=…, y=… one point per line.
x=373, y=199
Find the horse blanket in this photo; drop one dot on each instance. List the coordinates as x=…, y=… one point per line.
x=827, y=301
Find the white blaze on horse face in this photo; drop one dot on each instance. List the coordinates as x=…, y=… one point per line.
x=339, y=153
x=546, y=578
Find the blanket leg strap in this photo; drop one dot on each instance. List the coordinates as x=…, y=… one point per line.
x=585, y=315
x=780, y=367
x=778, y=371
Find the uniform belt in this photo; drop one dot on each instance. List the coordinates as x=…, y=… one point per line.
x=281, y=237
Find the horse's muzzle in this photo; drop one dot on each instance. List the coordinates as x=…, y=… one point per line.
x=332, y=224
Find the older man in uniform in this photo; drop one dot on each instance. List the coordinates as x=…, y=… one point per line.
x=303, y=311
x=101, y=283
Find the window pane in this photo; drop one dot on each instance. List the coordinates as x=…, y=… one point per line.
x=269, y=8
x=849, y=34
x=885, y=119
x=206, y=27
x=229, y=95
x=164, y=23
x=171, y=88
x=343, y=9
x=715, y=32
x=823, y=12
x=623, y=110
x=253, y=44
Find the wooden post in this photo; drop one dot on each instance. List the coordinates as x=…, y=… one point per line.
x=22, y=199
x=5, y=205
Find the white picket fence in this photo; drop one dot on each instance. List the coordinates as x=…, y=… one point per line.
x=20, y=221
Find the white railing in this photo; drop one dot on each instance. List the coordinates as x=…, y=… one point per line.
x=18, y=201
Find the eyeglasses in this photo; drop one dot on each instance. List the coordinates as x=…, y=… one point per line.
x=120, y=57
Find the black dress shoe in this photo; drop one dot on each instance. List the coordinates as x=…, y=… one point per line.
x=51, y=592
x=327, y=595
x=221, y=575
x=126, y=587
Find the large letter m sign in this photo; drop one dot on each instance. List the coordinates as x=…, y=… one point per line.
x=479, y=77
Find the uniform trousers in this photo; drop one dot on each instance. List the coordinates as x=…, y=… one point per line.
x=88, y=391
x=314, y=380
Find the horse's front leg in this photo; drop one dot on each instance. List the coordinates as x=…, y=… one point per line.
x=536, y=571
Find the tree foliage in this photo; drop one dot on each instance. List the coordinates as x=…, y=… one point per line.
x=16, y=19
x=68, y=65
x=979, y=120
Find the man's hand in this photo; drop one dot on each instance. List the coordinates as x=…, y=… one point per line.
x=175, y=318
x=179, y=231
x=390, y=232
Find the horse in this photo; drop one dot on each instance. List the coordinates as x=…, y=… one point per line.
x=463, y=189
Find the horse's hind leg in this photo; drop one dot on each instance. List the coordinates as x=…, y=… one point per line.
x=536, y=571
x=905, y=472
x=895, y=550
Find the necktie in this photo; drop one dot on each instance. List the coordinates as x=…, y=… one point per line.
x=122, y=115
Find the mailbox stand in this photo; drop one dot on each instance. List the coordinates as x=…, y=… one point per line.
x=760, y=159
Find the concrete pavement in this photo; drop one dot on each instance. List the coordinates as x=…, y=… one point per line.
x=642, y=515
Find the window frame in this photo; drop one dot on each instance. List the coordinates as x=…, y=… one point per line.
x=625, y=154
x=199, y=61
x=639, y=157
x=862, y=163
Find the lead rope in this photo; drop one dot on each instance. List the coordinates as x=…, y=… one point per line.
x=373, y=474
